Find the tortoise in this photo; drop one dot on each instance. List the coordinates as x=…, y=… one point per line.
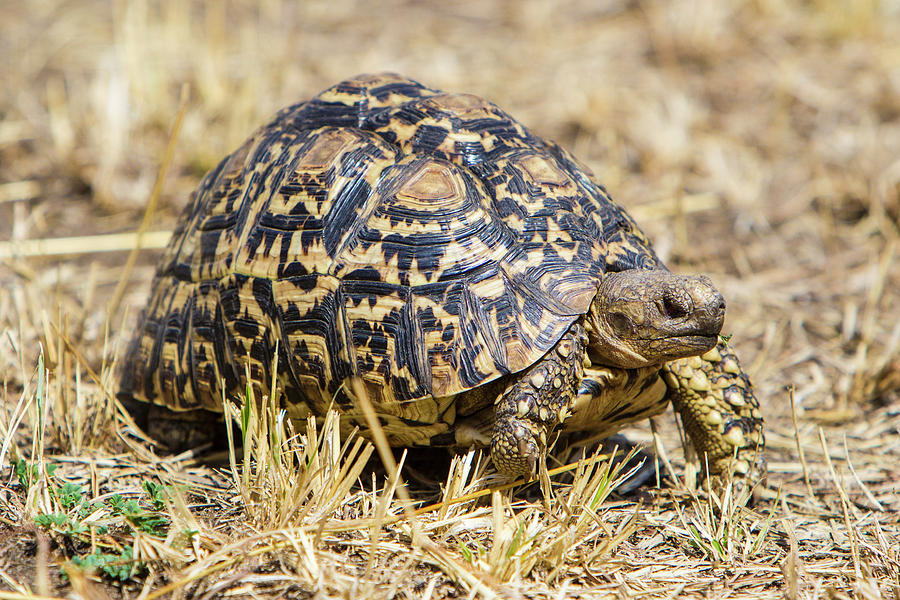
x=473, y=276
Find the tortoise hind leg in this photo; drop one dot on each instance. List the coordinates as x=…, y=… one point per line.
x=720, y=413
x=529, y=409
x=177, y=431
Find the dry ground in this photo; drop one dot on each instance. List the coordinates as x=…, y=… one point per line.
x=758, y=142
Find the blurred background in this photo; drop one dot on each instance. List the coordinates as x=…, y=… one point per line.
x=755, y=141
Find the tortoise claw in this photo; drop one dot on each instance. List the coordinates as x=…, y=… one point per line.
x=530, y=455
x=515, y=450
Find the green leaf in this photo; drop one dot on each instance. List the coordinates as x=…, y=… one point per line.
x=116, y=504
x=62, y=523
x=467, y=554
x=70, y=494
x=75, y=528
x=26, y=473
x=115, y=566
x=245, y=416
x=57, y=520
x=516, y=542
x=153, y=524
x=132, y=508
x=39, y=391
x=156, y=492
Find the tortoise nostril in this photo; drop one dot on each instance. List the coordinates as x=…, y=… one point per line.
x=716, y=304
x=676, y=306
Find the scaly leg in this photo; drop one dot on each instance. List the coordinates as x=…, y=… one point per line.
x=720, y=413
x=529, y=409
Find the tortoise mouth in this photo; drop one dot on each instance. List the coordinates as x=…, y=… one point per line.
x=695, y=337
x=699, y=333
x=701, y=328
x=698, y=340
x=682, y=346
x=658, y=350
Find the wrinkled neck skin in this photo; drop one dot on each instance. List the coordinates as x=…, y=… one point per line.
x=644, y=317
x=607, y=350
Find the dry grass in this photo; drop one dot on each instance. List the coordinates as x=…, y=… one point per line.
x=757, y=142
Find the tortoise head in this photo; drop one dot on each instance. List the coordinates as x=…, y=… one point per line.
x=642, y=317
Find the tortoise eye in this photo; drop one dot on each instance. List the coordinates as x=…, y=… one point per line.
x=620, y=323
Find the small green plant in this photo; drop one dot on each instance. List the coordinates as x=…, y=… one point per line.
x=151, y=522
x=472, y=554
x=116, y=504
x=70, y=495
x=119, y=566
x=158, y=494
x=62, y=523
x=75, y=507
x=72, y=507
x=27, y=473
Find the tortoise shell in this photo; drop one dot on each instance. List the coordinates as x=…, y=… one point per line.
x=425, y=242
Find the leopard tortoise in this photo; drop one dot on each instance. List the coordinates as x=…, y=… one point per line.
x=472, y=275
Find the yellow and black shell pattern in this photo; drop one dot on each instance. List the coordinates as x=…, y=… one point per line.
x=424, y=242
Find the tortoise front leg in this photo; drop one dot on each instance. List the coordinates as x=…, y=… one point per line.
x=529, y=409
x=720, y=413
